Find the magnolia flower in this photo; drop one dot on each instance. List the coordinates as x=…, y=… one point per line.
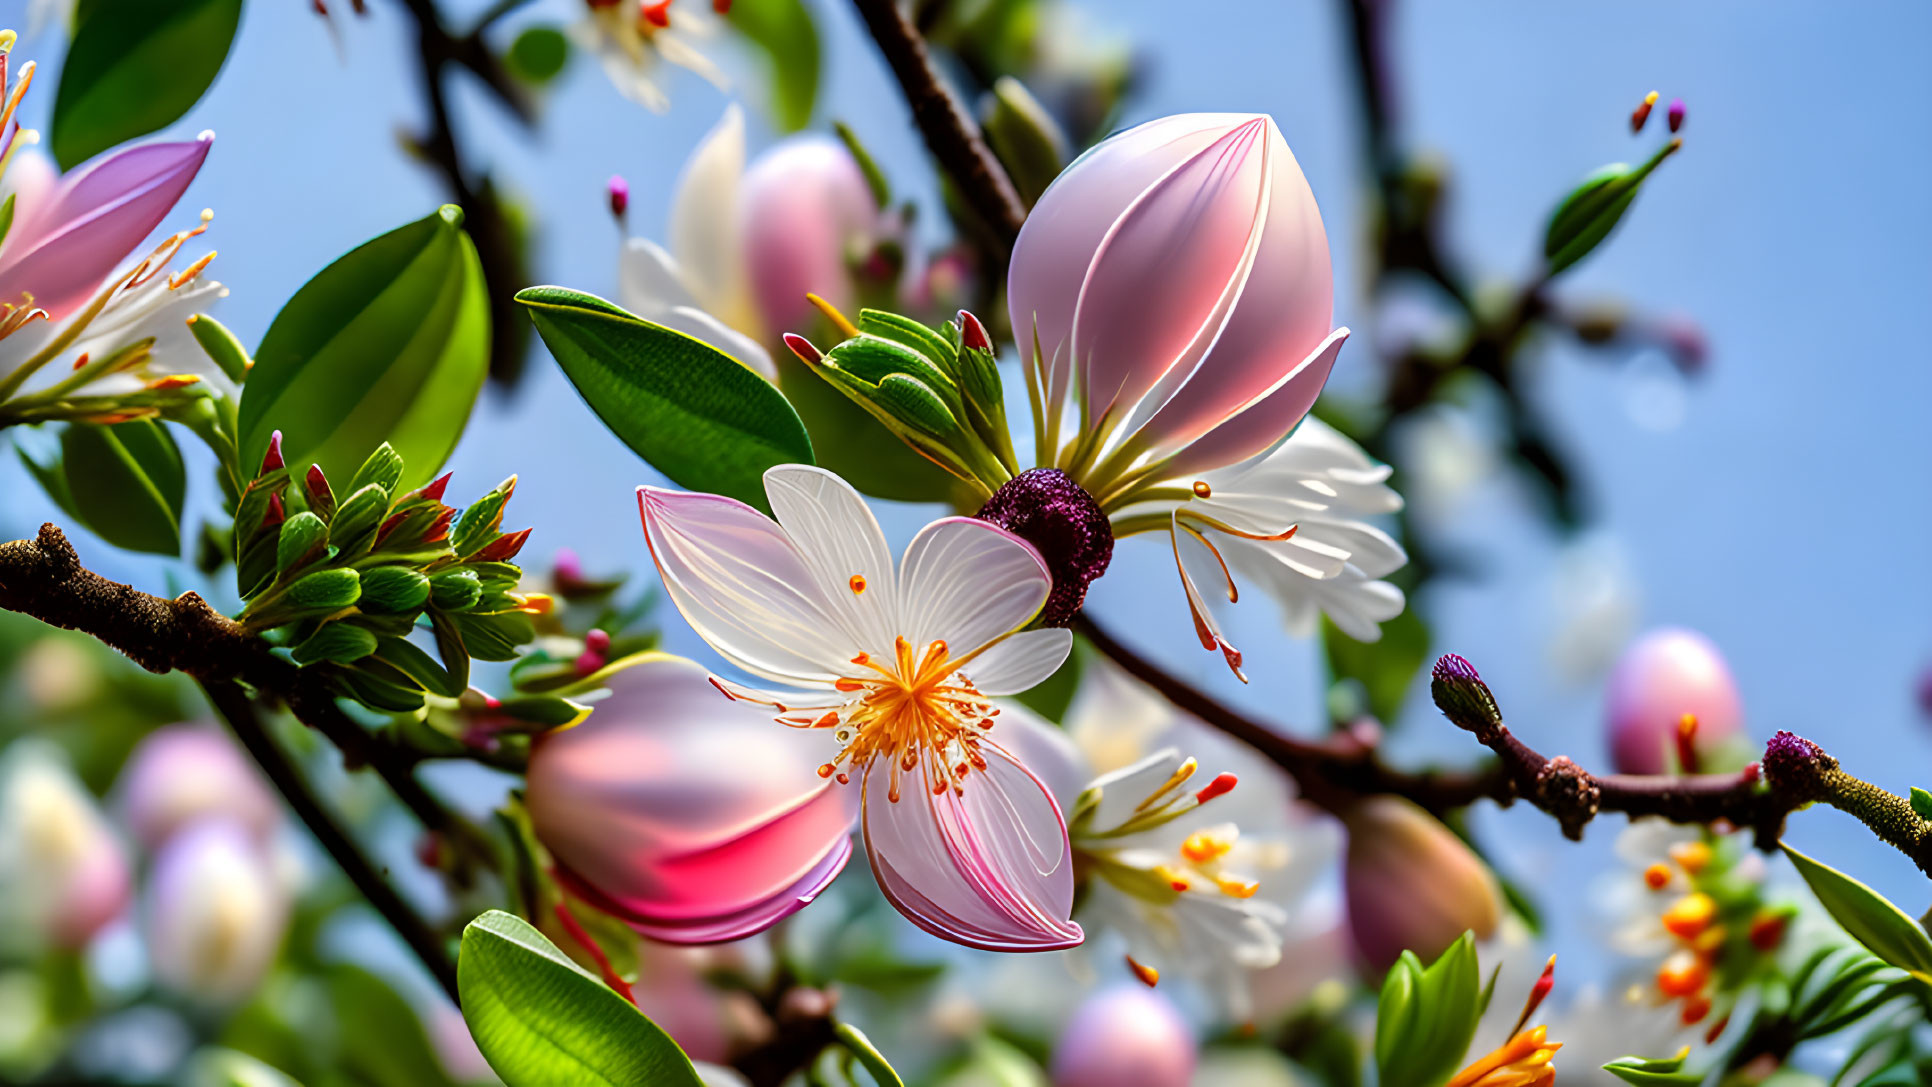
x=1670, y=694
x=748, y=245
x=63, y=873
x=1196, y=875
x=181, y=773
x=1171, y=294
x=634, y=39
x=216, y=911
x=899, y=668
x=684, y=814
x=1125, y=1035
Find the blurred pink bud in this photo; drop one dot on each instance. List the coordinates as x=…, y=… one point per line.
x=1664, y=675
x=182, y=773
x=216, y=912
x=63, y=871
x=63, y=246
x=805, y=208
x=1125, y=1035
x=1676, y=114
x=687, y=814
x=619, y=191
x=1925, y=690
x=1411, y=884
x=1684, y=339
x=1177, y=277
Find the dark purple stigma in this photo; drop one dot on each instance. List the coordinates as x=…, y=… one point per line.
x=1047, y=509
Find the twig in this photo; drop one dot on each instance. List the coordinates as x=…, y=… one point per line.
x=950, y=132
x=235, y=708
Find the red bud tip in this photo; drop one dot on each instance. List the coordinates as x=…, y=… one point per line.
x=597, y=641
x=503, y=548
x=1538, y=991
x=1751, y=772
x=1148, y=976
x=1642, y=113
x=802, y=347
x=973, y=334
x=1220, y=786
x=722, y=7
x=620, y=195
x=657, y=15
x=587, y=663
x=316, y=480
x=434, y=491
x=275, y=515
x=272, y=460
x=1686, y=737
x=1675, y=115
x=438, y=529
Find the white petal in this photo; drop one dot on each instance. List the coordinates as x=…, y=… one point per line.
x=1021, y=661
x=649, y=281
x=1123, y=790
x=967, y=582
x=704, y=215
x=841, y=541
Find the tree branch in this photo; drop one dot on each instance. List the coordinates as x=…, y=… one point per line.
x=950, y=132
x=236, y=709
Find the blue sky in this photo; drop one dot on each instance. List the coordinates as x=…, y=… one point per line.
x=1785, y=515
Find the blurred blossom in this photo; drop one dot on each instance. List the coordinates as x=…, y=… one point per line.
x=1445, y=455
x=1594, y=601
x=1125, y=1035
x=63, y=873
x=1412, y=885
x=215, y=911
x=635, y=39
x=690, y=816
x=1661, y=677
x=746, y=245
x=180, y=773
x=57, y=675
x=1172, y=293
x=672, y=992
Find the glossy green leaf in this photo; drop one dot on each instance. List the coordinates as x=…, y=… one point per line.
x=540, y=1020
x=855, y=1042
x=1593, y=209
x=389, y=343
x=127, y=483
x=136, y=66
x=1886, y=931
x=1426, y=1017
x=692, y=411
x=784, y=30
x=1663, y=1070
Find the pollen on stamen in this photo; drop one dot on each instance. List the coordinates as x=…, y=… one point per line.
x=1202, y=490
x=825, y=771
x=1148, y=976
x=857, y=582
x=1237, y=888
x=1657, y=877
x=847, y=685
x=1221, y=785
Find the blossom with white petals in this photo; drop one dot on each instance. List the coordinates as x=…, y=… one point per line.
x=635, y=39
x=897, y=667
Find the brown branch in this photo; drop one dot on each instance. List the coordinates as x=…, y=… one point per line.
x=235, y=708
x=1331, y=774
x=950, y=132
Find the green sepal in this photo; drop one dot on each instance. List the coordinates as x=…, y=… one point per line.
x=338, y=643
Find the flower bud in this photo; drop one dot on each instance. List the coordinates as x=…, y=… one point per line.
x=1592, y=210
x=215, y=912
x=805, y=206
x=325, y=591
x=353, y=529
x=1125, y=1035
x=455, y=590
x=393, y=589
x=686, y=814
x=304, y=538
x=1411, y=884
x=1662, y=676
x=63, y=873
x=338, y=643
x=181, y=773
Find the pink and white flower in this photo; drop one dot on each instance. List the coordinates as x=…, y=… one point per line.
x=635, y=39
x=1172, y=298
x=684, y=814
x=897, y=667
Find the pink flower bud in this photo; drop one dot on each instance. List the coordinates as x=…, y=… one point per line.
x=805, y=208
x=216, y=912
x=620, y=196
x=63, y=246
x=182, y=773
x=64, y=872
x=1125, y=1035
x=1411, y=884
x=1664, y=675
x=691, y=816
x=1177, y=276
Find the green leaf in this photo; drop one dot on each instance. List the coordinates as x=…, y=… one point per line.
x=1426, y=1018
x=383, y=1042
x=1024, y=135
x=541, y=1020
x=784, y=30
x=6, y=216
x=538, y=54
x=1593, y=209
x=127, y=483
x=1663, y=1070
x=136, y=66
x=220, y=344
x=1922, y=802
x=338, y=643
x=1386, y=669
x=695, y=413
x=855, y=1041
x=1885, y=930
x=389, y=343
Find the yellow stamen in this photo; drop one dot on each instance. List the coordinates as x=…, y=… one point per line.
x=839, y=321
x=1149, y=976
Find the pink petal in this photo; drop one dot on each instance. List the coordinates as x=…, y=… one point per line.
x=1161, y=281
x=806, y=208
x=744, y=586
x=724, y=928
x=989, y=868
x=966, y=582
x=840, y=540
x=679, y=810
x=1056, y=246
x=1255, y=428
x=95, y=216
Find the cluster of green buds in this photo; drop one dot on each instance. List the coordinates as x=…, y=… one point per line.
x=938, y=389
x=343, y=582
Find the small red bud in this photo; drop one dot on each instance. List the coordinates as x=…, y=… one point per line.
x=972, y=334
x=1220, y=786
x=272, y=460
x=434, y=491
x=1642, y=113
x=722, y=7
x=503, y=548
x=597, y=641
x=275, y=515
x=1675, y=115
x=657, y=15
x=317, y=482
x=620, y=195
x=803, y=348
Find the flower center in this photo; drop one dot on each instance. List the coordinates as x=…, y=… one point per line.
x=1047, y=509
x=917, y=711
